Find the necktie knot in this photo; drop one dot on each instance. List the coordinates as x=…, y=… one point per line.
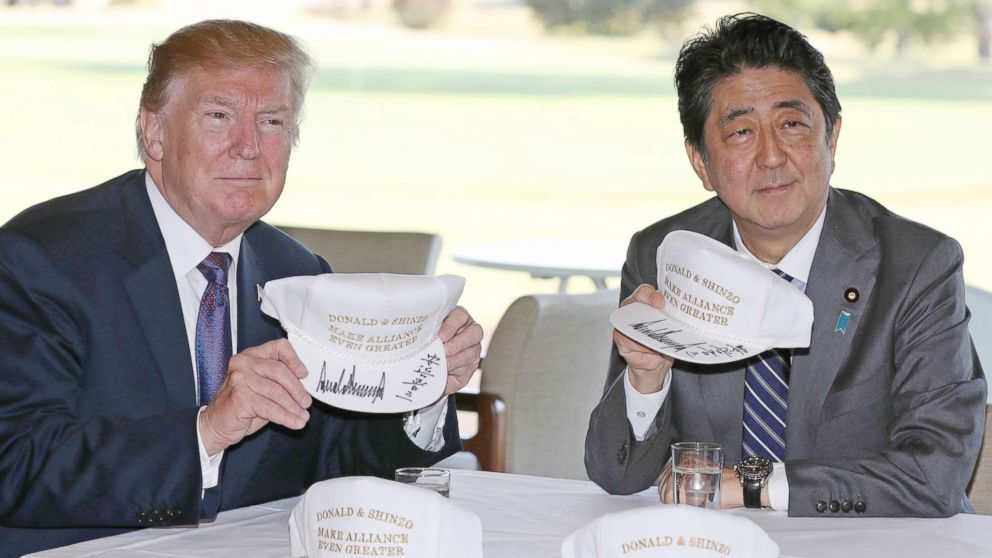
x=214, y=267
x=792, y=280
x=782, y=274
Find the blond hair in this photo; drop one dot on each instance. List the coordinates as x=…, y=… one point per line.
x=222, y=44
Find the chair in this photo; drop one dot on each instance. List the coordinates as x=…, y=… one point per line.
x=980, y=487
x=541, y=378
x=980, y=303
x=372, y=251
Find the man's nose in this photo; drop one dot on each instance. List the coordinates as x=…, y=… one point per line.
x=770, y=152
x=244, y=140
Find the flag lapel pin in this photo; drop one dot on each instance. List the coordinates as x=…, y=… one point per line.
x=842, y=320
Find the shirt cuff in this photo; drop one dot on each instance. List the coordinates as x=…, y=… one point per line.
x=425, y=427
x=209, y=464
x=643, y=407
x=778, y=488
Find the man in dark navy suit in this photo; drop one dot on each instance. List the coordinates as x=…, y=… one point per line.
x=107, y=419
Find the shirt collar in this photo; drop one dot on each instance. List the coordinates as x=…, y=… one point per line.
x=797, y=261
x=185, y=246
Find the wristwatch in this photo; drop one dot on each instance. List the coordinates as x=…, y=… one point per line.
x=753, y=472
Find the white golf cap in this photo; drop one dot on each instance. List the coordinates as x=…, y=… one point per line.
x=368, y=516
x=369, y=340
x=669, y=530
x=720, y=305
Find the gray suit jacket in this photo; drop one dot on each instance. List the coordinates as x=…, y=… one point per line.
x=889, y=413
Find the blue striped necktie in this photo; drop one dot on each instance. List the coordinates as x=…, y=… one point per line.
x=213, y=326
x=766, y=401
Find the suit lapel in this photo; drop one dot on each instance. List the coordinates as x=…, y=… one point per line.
x=254, y=327
x=154, y=296
x=846, y=258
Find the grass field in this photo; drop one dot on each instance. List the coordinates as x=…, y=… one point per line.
x=488, y=129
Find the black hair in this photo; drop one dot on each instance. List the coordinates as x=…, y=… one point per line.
x=738, y=43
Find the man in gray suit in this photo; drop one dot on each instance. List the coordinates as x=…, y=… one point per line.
x=883, y=413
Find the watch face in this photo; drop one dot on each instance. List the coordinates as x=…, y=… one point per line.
x=754, y=468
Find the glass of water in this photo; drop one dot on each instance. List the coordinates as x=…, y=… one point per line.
x=697, y=472
x=431, y=478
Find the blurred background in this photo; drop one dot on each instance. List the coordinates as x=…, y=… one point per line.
x=512, y=119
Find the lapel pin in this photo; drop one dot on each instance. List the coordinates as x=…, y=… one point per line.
x=851, y=294
x=258, y=291
x=842, y=321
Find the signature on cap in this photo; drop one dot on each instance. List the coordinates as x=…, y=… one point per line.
x=340, y=387
x=421, y=373
x=666, y=337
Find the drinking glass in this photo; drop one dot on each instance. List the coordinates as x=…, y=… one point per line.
x=697, y=472
x=431, y=478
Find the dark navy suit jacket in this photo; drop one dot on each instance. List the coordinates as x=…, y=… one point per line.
x=97, y=398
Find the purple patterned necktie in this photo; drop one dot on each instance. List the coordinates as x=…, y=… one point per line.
x=766, y=401
x=213, y=326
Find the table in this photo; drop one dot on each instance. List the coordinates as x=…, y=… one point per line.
x=595, y=259
x=528, y=517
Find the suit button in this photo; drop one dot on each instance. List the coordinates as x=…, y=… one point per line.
x=821, y=506
x=834, y=506
x=846, y=506
x=622, y=454
x=860, y=507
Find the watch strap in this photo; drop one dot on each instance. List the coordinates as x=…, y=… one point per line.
x=752, y=492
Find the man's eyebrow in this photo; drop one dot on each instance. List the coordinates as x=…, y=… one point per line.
x=797, y=104
x=215, y=100
x=229, y=103
x=734, y=113
x=275, y=110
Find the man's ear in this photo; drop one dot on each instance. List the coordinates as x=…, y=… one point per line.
x=152, y=134
x=832, y=142
x=698, y=162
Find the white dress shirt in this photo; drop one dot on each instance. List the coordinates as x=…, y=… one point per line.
x=186, y=249
x=642, y=407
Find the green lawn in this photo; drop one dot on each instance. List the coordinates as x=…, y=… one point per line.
x=478, y=134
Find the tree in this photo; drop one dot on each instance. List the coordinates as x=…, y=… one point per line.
x=609, y=17
x=911, y=21
x=983, y=29
x=421, y=14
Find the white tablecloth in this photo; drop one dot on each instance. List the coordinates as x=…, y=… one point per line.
x=528, y=517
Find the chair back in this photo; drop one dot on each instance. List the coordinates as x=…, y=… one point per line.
x=372, y=251
x=980, y=303
x=547, y=360
x=980, y=487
